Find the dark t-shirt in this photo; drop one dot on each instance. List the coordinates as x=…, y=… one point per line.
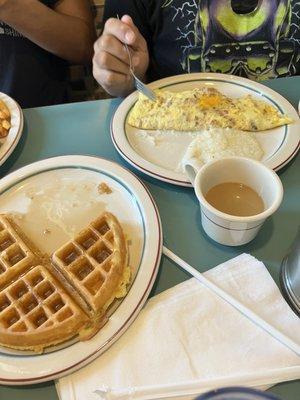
x=29, y=74
x=208, y=36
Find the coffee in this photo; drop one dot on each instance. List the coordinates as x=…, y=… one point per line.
x=235, y=199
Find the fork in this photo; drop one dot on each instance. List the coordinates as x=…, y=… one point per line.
x=139, y=85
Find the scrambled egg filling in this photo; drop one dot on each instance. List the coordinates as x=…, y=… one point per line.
x=204, y=108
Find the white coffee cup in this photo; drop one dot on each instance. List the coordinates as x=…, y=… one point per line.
x=229, y=229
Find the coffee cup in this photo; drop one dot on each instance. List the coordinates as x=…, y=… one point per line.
x=222, y=227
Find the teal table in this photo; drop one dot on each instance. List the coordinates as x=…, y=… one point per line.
x=83, y=128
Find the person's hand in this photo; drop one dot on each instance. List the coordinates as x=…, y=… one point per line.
x=111, y=62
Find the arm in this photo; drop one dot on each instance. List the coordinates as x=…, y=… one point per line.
x=66, y=31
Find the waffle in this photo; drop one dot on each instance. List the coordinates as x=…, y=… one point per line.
x=16, y=256
x=46, y=301
x=36, y=311
x=94, y=261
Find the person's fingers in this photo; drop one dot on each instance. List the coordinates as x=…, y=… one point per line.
x=120, y=30
x=114, y=83
x=113, y=79
x=111, y=45
x=107, y=61
x=140, y=42
x=125, y=32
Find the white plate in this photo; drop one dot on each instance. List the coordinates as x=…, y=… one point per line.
x=8, y=144
x=61, y=194
x=159, y=155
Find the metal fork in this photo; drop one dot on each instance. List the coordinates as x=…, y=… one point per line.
x=139, y=85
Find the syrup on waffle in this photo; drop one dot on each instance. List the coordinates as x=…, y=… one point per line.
x=42, y=304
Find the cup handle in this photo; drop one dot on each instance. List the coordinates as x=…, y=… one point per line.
x=191, y=168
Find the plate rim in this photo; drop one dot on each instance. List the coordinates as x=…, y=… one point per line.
x=84, y=360
x=19, y=130
x=118, y=135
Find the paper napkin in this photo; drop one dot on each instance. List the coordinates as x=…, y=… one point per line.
x=188, y=334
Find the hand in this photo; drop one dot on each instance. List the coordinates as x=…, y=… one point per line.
x=111, y=62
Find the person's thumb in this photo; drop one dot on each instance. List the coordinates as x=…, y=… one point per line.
x=138, y=41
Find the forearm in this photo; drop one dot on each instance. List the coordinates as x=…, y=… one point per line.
x=66, y=36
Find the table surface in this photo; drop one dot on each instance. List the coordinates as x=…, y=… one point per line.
x=83, y=128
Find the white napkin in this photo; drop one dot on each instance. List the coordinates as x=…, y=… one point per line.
x=188, y=334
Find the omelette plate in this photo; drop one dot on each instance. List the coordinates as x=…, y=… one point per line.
x=158, y=154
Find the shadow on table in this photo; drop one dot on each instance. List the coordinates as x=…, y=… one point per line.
x=28, y=138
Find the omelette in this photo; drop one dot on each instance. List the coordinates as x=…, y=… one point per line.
x=204, y=108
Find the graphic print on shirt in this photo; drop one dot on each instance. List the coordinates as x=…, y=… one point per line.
x=8, y=31
x=260, y=45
